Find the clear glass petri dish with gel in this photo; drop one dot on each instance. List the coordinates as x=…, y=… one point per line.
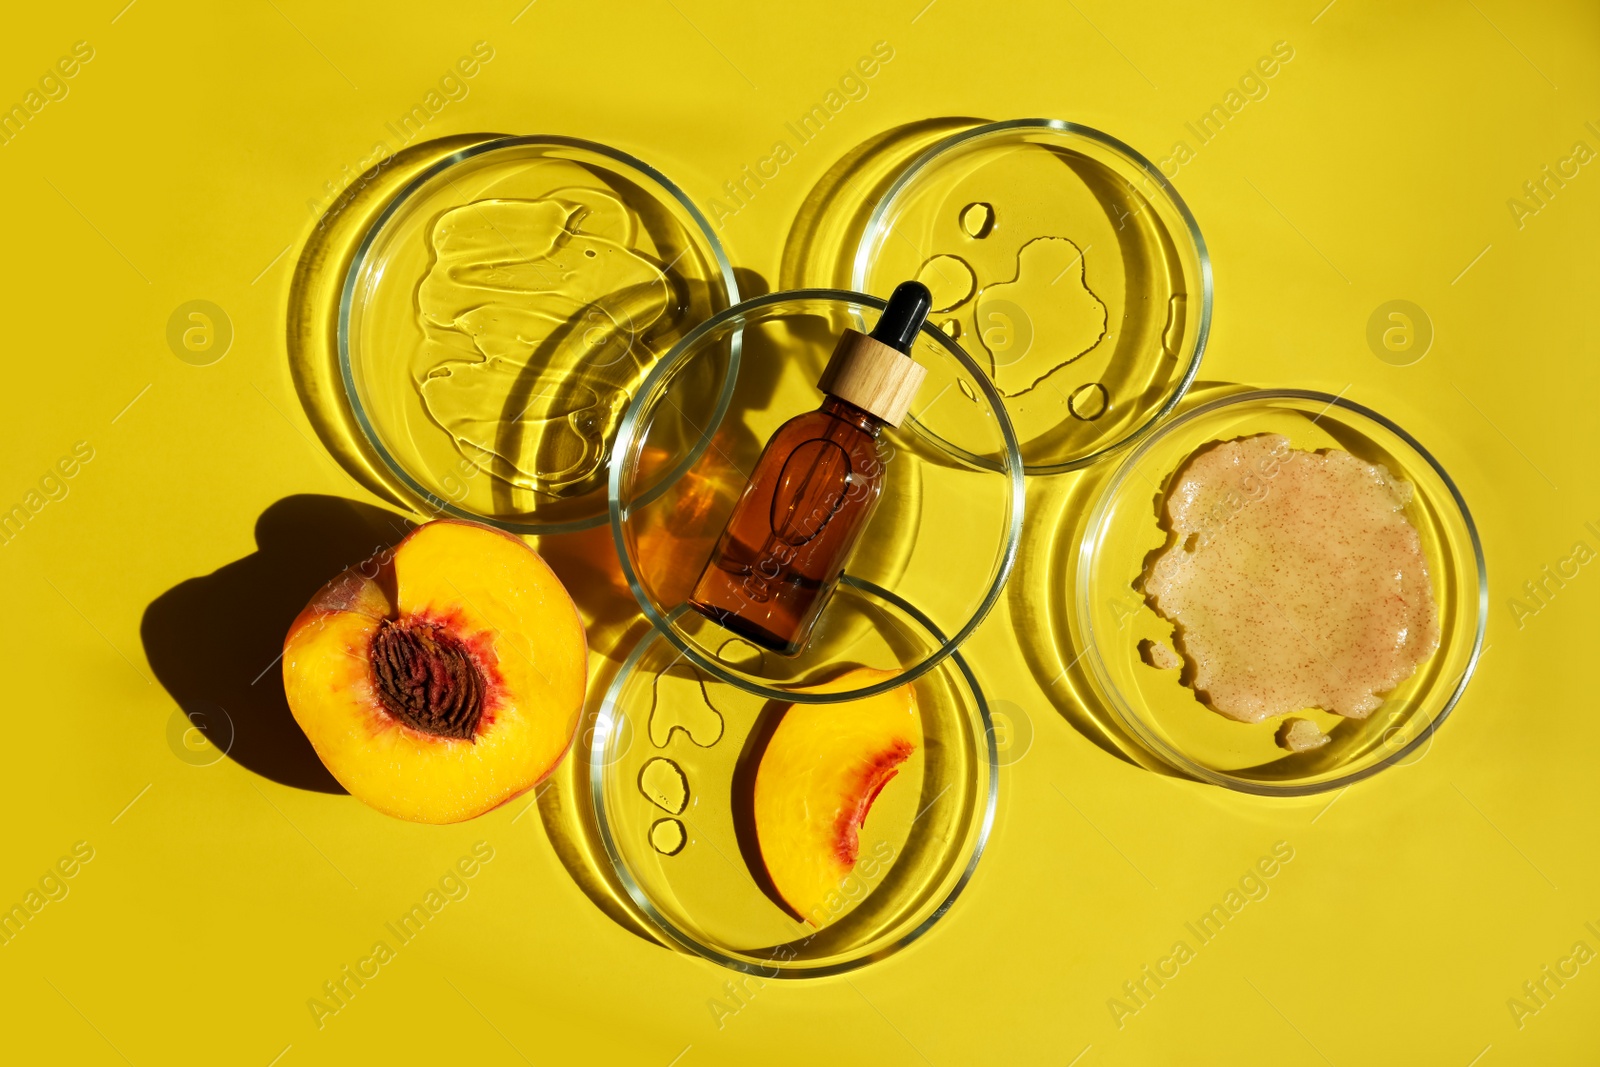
x=1112, y=616
x=672, y=766
x=943, y=537
x=502, y=311
x=1069, y=267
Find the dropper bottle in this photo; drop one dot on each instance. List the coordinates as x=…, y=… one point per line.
x=814, y=487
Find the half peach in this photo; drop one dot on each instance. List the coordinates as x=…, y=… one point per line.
x=442, y=677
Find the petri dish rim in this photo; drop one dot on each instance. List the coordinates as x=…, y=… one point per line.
x=996, y=130
x=629, y=430
x=433, y=503
x=1119, y=703
x=605, y=723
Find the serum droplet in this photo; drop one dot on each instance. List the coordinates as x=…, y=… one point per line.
x=509, y=307
x=679, y=702
x=1089, y=402
x=667, y=836
x=664, y=784
x=1043, y=319
x=950, y=281
x=1172, y=333
x=977, y=220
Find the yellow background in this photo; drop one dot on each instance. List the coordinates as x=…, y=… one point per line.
x=1379, y=167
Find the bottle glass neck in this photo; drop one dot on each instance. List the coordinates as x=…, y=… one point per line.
x=847, y=412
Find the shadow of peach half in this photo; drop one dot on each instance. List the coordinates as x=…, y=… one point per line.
x=442, y=677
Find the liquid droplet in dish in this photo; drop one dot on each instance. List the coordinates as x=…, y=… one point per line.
x=663, y=784
x=967, y=390
x=741, y=655
x=678, y=701
x=1088, y=402
x=667, y=836
x=951, y=328
x=977, y=220
x=1172, y=332
x=1043, y=319
x=949, y=279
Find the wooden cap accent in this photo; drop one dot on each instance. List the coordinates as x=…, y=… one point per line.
x=872, y=376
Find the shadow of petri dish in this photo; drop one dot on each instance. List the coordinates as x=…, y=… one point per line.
x=820, y=249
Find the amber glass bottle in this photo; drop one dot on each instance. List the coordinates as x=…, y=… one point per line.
x=814, y=488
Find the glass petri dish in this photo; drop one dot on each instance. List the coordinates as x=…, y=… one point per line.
x=503, y=309
x=673, y=762
x=1068, y=266
x=1112, y=617
x=944, y=535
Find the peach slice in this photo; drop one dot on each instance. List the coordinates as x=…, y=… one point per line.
x=822, y=768
x=442, y=677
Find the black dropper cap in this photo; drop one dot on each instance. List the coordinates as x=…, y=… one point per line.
x=908, y=309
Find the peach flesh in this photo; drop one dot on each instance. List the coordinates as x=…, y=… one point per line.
x=819, y=776
x=441, y=678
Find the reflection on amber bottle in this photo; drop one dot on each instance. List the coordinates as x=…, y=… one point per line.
x=675, y=533
x=814, y=487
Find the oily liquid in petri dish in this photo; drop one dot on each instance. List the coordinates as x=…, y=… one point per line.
x=1060, y=276
x=540, y=305
x=505, y=314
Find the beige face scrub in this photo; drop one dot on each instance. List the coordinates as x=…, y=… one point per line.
x=1294, y=579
